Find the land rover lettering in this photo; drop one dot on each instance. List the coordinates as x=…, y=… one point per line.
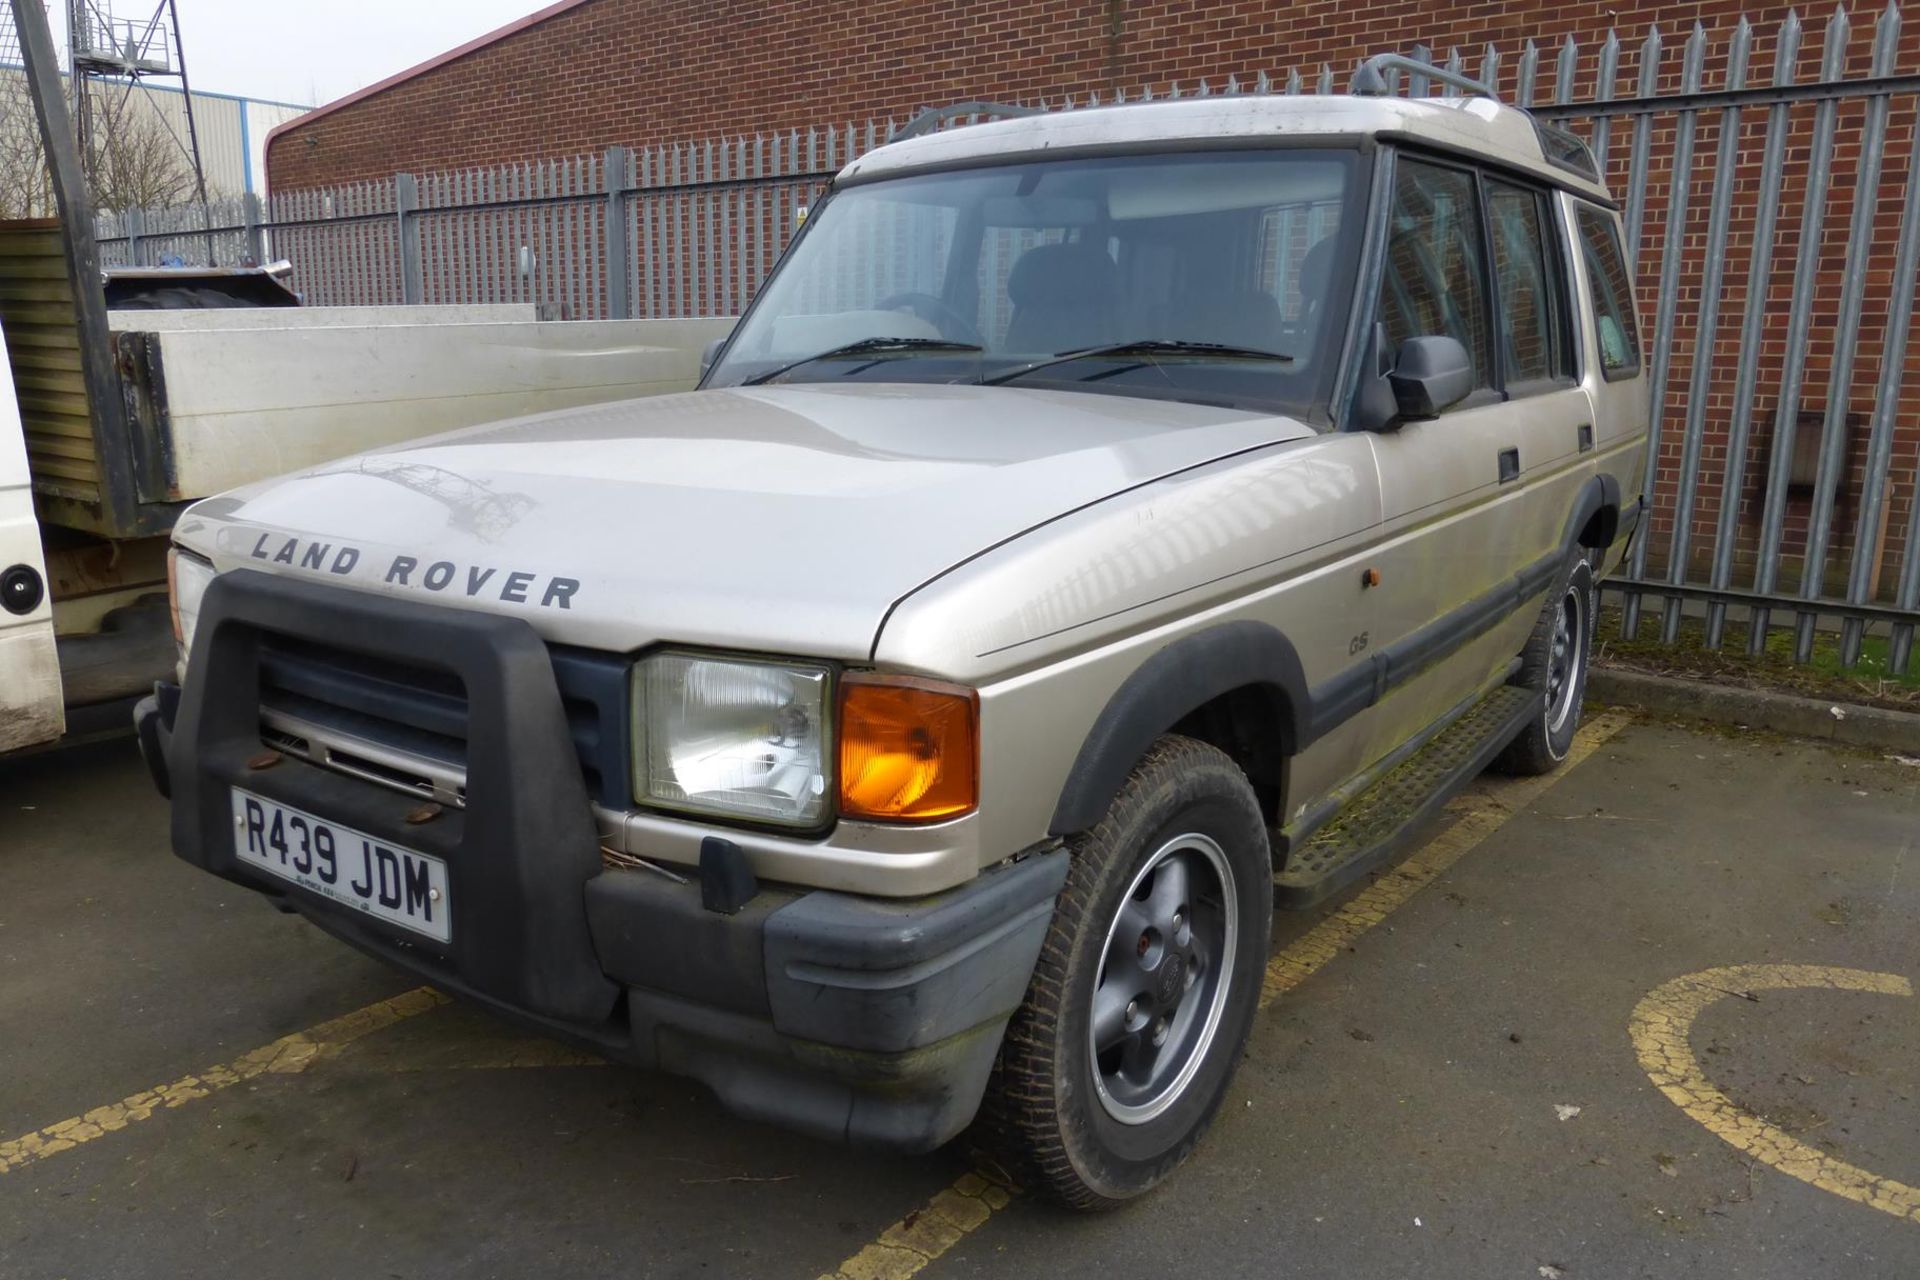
x=474, y=581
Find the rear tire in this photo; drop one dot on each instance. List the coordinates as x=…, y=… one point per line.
x=1146, y=988
x=1555, y=663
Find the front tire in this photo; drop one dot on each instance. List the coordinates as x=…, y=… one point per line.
x=1555, y=662
x=1146, y=988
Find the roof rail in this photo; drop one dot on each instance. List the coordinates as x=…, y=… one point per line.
x=1370, y=77
x=933, y=117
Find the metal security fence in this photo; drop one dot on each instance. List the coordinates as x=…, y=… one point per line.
x=1767, y=180
x=688, y=230
x=224, y=231
x=1775, y=215
x=530, y=233
x=345, y=242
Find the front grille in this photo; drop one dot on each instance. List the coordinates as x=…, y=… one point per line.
x=443, y=781
x=404, y=725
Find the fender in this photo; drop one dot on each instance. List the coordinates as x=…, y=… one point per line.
x=1176, y=681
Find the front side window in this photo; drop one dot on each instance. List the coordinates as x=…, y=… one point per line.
x=1218, y=276
x=1434, y=277
x=1614, y=327
x=1531, y=324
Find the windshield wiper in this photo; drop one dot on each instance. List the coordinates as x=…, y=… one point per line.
x=1140, y=347
x=865, y=346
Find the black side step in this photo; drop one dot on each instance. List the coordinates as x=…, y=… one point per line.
x=1381, y=820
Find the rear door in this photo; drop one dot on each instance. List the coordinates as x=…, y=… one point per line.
x=30, y=704
x=1616, y=376
x=1534, y=318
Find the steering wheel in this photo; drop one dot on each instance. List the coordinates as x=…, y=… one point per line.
x=937, y=312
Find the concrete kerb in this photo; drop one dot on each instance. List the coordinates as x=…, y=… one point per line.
x=1874, y=727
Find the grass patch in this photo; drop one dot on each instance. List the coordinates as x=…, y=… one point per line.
x=1871, y=682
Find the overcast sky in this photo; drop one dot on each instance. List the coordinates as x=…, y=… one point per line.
x=312, y=51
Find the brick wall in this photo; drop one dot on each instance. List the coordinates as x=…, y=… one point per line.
x=636, y=72
x=642, y=72
x=1715, y=410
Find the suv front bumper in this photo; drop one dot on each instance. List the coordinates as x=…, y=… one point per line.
x=855, y=1019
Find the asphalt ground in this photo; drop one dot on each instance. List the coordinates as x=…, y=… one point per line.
x=1704, y=943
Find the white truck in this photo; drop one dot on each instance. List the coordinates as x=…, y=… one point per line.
x=213, y=399
x=131, y=393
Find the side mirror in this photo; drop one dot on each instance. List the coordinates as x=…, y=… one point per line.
x=1430, y=375
x=711, y=352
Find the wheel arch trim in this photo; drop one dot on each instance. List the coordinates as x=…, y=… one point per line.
x=1599, y=496
x=1176, y=681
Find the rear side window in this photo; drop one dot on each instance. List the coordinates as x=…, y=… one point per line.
x=1434, y=281
x=1614, y=328
x=1532, y=322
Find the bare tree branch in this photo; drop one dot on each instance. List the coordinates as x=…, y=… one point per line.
x=25, y=189
x=135, y=160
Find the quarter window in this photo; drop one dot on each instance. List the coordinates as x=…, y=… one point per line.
x=1531, y=323
x=1434, y=282
x=1614, y=328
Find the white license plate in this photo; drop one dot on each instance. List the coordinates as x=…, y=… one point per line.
x=350, y=867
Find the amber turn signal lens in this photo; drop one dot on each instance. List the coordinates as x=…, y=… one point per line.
x=909, y=749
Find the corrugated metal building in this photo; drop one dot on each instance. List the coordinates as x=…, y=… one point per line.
x=233, y=130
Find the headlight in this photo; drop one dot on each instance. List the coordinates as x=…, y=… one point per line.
x=731, y=737
x=187, y=579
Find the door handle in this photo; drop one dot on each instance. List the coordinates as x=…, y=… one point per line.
x=1509, y=465
x=1584, y=433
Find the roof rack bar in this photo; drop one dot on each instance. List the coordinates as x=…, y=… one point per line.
x=933, y=117
x=1370, y=78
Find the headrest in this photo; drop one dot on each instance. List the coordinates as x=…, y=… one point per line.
x=1316, y=269
x=1056, y=272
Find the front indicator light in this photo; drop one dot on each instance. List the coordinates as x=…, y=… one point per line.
x=909, y=749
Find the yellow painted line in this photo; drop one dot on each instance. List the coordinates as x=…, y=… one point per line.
x=1660, y=1026
x=1482, y=811
x=288, y=1055
x=926, y=1233
x=910, y=1244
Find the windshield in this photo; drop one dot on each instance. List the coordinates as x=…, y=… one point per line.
x=1214, y=276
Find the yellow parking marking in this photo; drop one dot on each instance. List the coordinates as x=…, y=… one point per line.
x=288, y=1055
x=926, y=1233
x=907, y=1246
x=1482, y=811
x=1660, y=1026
